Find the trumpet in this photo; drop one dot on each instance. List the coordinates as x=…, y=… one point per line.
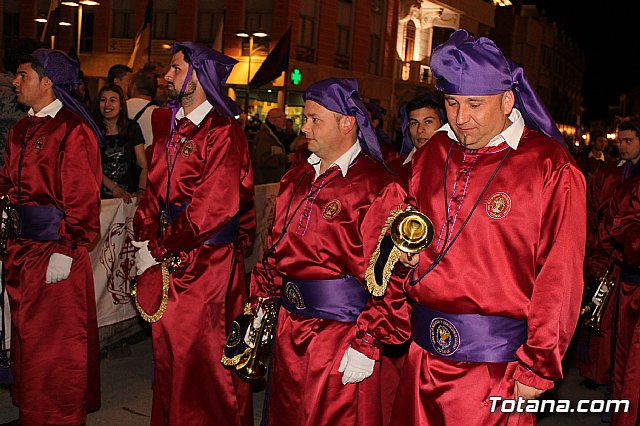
x=596, y=306
x=405, y=231
x=249, y=356
x=411, y=231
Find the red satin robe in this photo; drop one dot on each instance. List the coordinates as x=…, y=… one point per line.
x=335, y=236
x=520, y=256
x=54, y=341
x=212, y=173
x=600, y=188
x=398, y=166
x=622, y=224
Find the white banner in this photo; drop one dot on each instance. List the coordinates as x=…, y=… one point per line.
x=112, y=260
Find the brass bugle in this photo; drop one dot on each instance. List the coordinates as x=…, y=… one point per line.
x=593, y=313
x=411, y=231
x=253, y=367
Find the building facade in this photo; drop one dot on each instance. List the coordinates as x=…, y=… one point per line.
x=385, y=44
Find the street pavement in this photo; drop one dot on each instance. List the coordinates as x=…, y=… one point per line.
x=126, y=391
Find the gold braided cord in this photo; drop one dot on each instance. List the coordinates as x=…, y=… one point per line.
x=155, y=317
x=236, y=359
x=375, y=288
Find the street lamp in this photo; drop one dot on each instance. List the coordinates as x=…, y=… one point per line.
x=79, y=4
x=250, y=35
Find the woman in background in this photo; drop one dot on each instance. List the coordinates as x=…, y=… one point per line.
x=124, y=164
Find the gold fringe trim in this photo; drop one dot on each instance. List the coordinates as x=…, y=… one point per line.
x=155, y=317
x=375, y=288
x=230, y=362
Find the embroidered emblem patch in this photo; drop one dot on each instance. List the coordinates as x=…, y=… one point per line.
x=188, y=149
x=498, y=205
x=38, y=145
x=331, y=209
x=292, y=293
x=444, y=336
x=15, y=222
x=234, y=335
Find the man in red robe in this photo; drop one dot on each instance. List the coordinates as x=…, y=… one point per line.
x=595, y=364
x=198, y=208
x=619, y=235
x=329, y=215
x=496, y=296
x=52, y=176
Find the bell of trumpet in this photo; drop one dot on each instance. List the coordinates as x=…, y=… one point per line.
x=405, y=231
x=411, y=231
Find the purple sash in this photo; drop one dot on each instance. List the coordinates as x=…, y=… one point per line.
x=468, y=337
x=39, y=223
x=341, y=299
x=226, y=235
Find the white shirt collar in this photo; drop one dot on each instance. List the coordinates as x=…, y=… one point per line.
x=410, y=156
x=197, y=115
x=50, y=110
x=599, y=157
x=344, y=161
x=511, y=135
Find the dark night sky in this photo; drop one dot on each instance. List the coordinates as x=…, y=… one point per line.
x=608, y=32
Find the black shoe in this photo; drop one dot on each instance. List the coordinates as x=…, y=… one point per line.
x=15, y=422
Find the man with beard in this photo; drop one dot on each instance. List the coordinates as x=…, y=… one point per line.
x=195, y=219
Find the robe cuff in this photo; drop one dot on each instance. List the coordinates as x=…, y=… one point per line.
x=157, y=250
x=367, y=344
x=527, y=377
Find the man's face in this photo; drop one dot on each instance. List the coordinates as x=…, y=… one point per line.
x=177, y=74
x=322, y=131
x=476, y=120
x=30, y=90
x=277, y=118
x=123, y=82
x=600, y=144
x=423, y=123
x=629, y=145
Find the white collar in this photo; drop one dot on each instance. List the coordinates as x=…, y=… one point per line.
x=511, y=135
x=198, y=114
x=50, y=110
x=344, y=161
x=599, y=157
x=410, y=156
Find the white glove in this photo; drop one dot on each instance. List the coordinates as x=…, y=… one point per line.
x=257, y=320
x=355, y=366
x=59, y=268
x=144, y=260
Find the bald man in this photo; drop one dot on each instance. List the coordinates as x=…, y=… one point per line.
x=268, y=155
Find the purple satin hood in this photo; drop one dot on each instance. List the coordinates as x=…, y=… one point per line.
x=341, y=95
x=469, y=66
x=63, y=71
x=213, y=69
